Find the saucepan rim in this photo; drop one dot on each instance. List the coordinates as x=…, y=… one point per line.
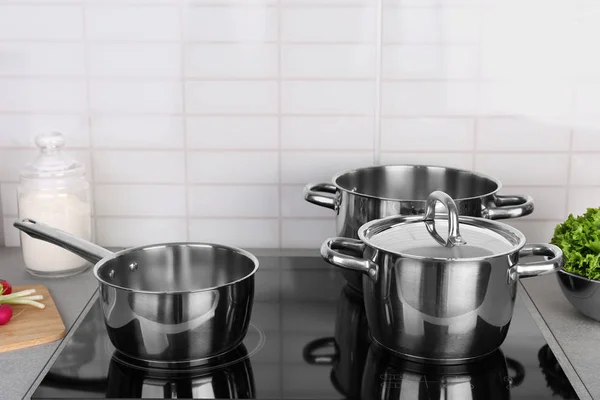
x=435, y=166
x=388, y=222
x=103, y=263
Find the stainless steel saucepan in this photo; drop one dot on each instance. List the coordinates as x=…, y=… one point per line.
x=167, y=303
x=365, y=194
x=443, y=300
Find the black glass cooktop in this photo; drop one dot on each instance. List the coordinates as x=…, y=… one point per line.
x=293, y=351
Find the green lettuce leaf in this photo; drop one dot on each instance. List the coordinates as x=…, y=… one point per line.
x=579, y=239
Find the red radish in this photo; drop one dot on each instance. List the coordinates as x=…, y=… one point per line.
x=6, y=288
x=6, y=313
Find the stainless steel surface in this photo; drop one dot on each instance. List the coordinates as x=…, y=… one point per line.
x=184, y=302
x=442, y=311
x=232, y=381
x=90, y=251
x=366, y=194
x=582, y=293
x=537, y=268
x=453, y=237
x=387, y=377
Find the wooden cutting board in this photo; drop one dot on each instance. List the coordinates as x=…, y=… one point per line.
x=31, y=326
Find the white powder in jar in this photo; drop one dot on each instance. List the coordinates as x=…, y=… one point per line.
x=63, y=211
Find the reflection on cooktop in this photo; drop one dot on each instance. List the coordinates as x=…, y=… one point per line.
x=308, y=339
x=555, y=377
x=386, y=376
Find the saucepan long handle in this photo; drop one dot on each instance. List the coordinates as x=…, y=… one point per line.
x=90, y=251
x=329, y=251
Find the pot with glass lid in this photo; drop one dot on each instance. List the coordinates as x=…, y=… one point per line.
x=435, y=299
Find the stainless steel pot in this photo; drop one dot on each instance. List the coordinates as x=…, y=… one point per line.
x=347, y=349
x=235, y=380
x=167, y=303
x=442, y=304
x=388, y=377
x=362, y=195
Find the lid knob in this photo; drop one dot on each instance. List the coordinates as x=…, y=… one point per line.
x=454, y=238
x=51, y=161
x=50, y=141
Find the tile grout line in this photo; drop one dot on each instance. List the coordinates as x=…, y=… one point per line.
x=184, y=122
x=569, y=167
x=237, y=42
x=378, y=84
x=570, y=152
x=280, y=192
x=115, y=114
x=88, y=98
x=279, y=125
x=571, y=136
x=239, y=4
x=475, y=133
x=406, y=150
x=242, y=218
x=478, y=73
x=125, y=78
x=291, y=184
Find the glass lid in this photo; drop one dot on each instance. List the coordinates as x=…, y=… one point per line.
x=51, y=161
x=442, y=236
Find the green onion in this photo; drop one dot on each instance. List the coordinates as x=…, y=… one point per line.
x=23, y=297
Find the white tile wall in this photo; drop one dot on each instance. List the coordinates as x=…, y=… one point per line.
x=231, y=97
x=130, y=23
x=240, y=132
x=42, y=95
x=202, y=120
x=139, y=96
x=234, y=201
x=29, y=22
x=247, y=60
x=148, y=60
x=135, y=132
x=139, y=167
x=24, y=59
x=233, y=167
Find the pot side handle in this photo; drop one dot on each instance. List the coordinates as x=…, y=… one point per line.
x=331, y=255
x=321, y=194
x=505, y=207
x=525, y=270
x=310, y=350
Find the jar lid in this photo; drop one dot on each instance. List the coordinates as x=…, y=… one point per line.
x=419, y=237
x=51, y=161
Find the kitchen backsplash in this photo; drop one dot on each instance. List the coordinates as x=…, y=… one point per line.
x=203, y=120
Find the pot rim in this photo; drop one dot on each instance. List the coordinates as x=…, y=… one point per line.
x=393, y=220
x=434, y=166
x=103, y=262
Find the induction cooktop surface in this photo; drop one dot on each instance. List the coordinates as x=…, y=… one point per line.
x=293, y=351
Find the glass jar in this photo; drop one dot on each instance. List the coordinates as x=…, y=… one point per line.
x=54, y=190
